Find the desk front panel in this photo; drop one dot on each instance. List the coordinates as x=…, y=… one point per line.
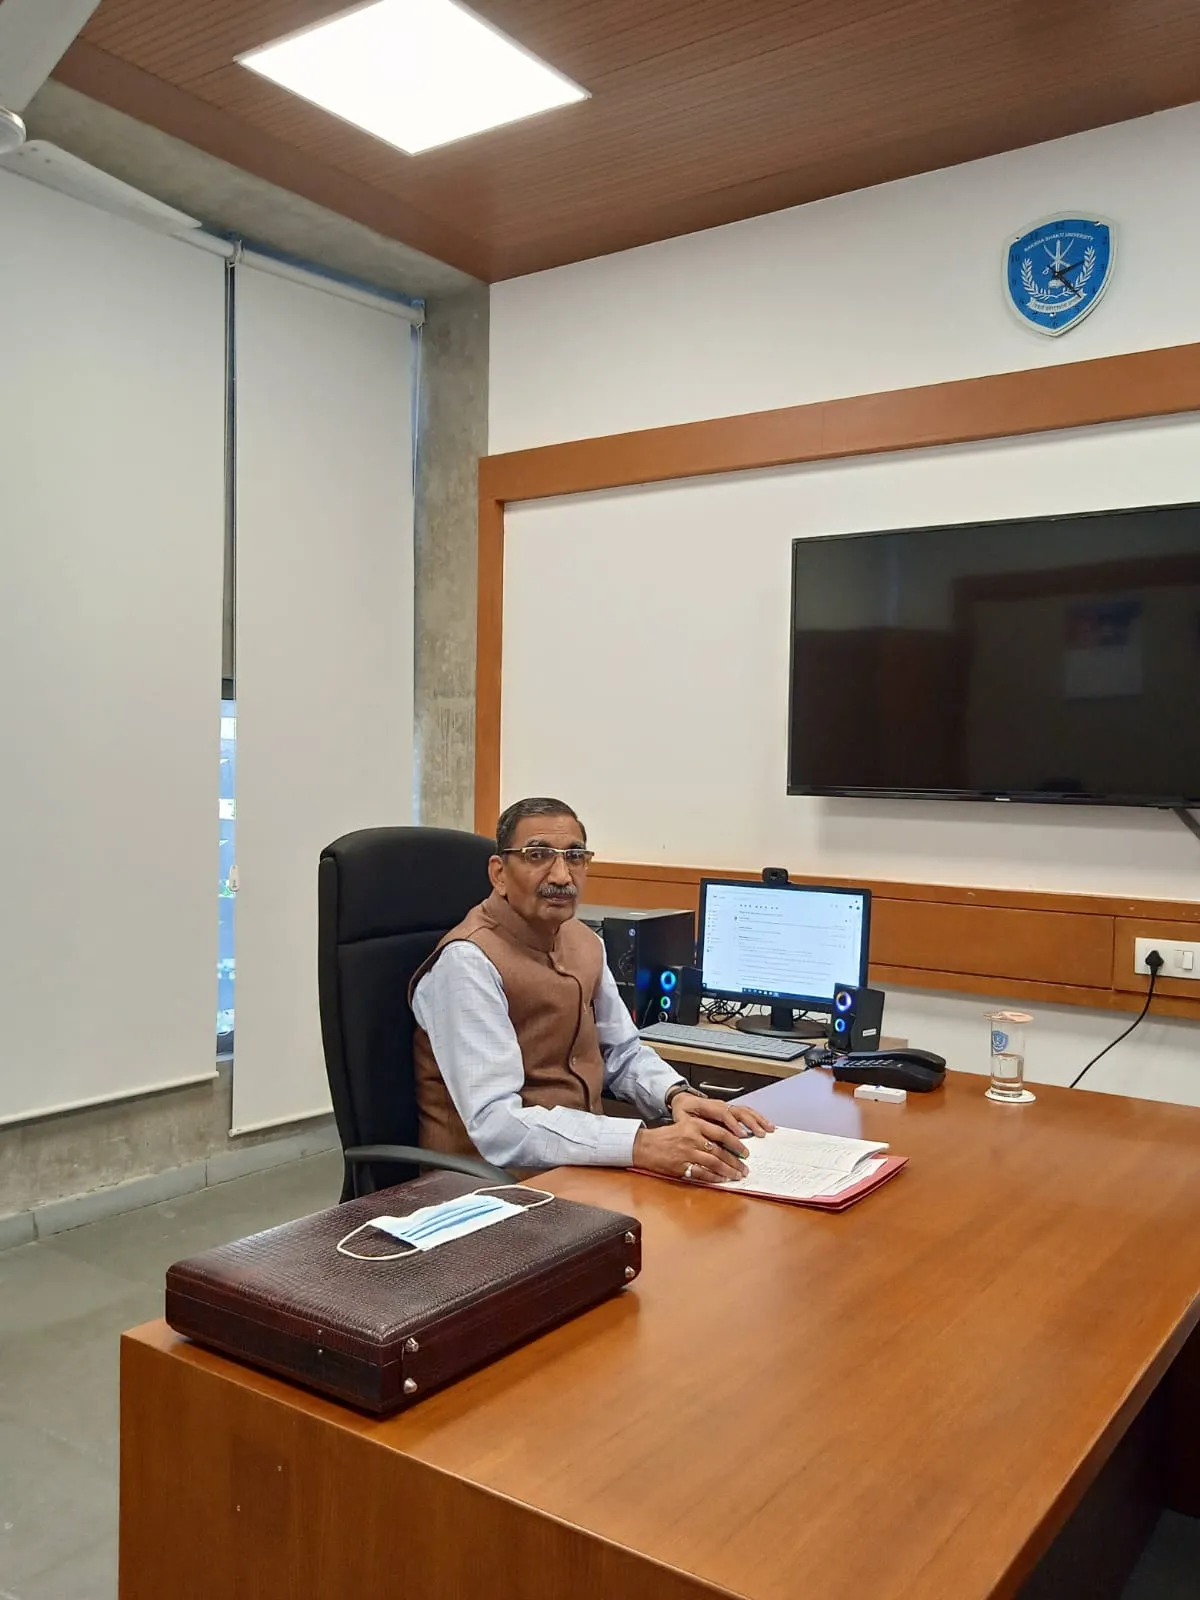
x=905, y=1400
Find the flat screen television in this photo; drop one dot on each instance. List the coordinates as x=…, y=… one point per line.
x=1050, y=659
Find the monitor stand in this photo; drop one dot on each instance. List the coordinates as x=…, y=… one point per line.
x=784, y=1024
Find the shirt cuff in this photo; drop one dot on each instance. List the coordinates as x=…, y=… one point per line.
x=614, y=1145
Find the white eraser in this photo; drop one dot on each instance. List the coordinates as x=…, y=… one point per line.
x=876, y=1091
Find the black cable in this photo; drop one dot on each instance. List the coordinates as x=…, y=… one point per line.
x=717, y=1011
x=722, y=1010
x=1155, y=962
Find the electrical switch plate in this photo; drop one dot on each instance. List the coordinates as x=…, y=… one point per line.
x=1180, y=960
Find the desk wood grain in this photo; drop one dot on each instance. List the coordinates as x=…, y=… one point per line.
x=904, y=1401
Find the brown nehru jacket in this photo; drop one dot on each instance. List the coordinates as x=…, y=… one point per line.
x=550, y=1002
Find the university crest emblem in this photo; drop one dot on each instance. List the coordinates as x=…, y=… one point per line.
x=1057, y=271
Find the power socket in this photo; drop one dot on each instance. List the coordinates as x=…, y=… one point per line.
x=1180, y=960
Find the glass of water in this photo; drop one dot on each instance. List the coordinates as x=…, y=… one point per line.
x=1008, y=1057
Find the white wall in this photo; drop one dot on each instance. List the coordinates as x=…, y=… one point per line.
x=665, y=715
x=884, y=289
x=1157, y=1063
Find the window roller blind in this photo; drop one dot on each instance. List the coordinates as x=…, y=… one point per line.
x=324, y=647
x=111, y=484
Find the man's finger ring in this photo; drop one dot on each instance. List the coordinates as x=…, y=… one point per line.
x=687, y=1171
x=709, y=1145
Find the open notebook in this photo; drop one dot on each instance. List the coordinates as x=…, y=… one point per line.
x=812, y=1169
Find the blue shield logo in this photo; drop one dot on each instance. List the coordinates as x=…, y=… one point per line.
x=1057, y=271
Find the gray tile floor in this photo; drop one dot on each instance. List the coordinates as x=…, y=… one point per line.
x=63, y=1305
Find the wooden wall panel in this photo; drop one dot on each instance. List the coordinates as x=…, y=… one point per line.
x=1054, y=948
x=1073, y=394
x=489, y=657
x=988, y=941
x=626, y=886
x=1146, y=383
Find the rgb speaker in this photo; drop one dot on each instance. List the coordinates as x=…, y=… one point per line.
x=856, y=1018
x=674, y=996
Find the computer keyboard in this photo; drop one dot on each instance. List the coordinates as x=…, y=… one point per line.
x=726, y=1040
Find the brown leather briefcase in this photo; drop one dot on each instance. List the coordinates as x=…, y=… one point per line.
x=381, y=1335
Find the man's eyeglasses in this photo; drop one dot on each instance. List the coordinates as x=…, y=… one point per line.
x=541, y=855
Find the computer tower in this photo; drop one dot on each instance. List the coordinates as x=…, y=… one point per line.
x=856, y=1018
x=639, y=945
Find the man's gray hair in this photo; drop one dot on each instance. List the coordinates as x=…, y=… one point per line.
x=543, y=806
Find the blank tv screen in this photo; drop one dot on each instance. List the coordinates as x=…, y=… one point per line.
x=1050, y=659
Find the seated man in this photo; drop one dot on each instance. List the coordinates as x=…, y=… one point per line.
x=520, y=1029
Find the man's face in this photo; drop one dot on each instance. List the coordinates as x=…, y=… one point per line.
x=544, y=894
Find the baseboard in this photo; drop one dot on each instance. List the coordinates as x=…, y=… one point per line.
x=240, y=1159
x=76, y=1211
x=17, y=1228
x=58, y=1216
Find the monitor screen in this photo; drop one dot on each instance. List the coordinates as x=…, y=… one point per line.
x=1053, y=659
x=781, y=942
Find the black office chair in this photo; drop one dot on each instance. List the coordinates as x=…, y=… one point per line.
x=385, y=897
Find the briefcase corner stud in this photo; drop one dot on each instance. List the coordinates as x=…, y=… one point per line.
x=635, y=1256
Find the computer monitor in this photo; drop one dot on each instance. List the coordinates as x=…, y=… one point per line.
x=782, y=945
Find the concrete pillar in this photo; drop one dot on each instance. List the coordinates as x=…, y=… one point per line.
x=452, y=435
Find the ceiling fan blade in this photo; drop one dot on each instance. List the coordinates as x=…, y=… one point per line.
x=34, y=36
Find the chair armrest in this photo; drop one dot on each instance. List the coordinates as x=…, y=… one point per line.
x=471, y=1166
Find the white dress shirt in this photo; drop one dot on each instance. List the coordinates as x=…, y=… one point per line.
x=462, y=1006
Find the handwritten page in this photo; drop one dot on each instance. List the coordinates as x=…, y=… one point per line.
x=790, y=1164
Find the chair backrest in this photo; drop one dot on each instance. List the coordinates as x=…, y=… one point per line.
x=385, y=897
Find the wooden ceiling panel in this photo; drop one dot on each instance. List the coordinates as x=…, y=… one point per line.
x=286, y=117
x=180, y=39
x=787, y=116
x=702, y=111
x=844, y=169
x=592, y=42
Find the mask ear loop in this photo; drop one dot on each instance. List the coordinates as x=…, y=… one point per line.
x=398, y=1255
x=521, y=1188
x=407, y=1255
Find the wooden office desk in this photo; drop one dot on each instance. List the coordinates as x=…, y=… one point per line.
x=902, y=1402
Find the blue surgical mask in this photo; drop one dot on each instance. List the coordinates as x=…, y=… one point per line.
x=441, y=1224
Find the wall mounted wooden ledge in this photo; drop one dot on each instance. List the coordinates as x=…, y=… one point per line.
x=1061, y=949
x=1058, y=948
x=1076, y=394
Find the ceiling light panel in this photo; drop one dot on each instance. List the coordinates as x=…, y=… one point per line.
x=415, y=73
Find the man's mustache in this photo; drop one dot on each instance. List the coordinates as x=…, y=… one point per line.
x=558, y=891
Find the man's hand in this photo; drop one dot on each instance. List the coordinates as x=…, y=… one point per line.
x=688, y=1149
x=736, y=1120
x=706, y=1138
